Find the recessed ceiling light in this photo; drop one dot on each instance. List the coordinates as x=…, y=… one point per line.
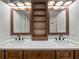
x=59, y=3
x=11, y=4
x=20, y=4
x=27, y=3
x=51, y=2
x=67, y=3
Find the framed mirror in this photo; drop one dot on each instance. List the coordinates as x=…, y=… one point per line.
x=58, y=20
x=20, y=21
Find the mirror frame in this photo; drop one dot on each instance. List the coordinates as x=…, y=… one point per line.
x=12, y=26
x=67, y=25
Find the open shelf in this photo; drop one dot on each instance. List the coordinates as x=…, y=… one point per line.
x=39, y=21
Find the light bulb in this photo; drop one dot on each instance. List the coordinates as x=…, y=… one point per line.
x=11, y=4
x=51, y=2
x=67, y=3
x=20, y=4
x=27, y=3
x=59, y=3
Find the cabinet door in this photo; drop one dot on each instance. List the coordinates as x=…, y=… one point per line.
x=39, y=54
x=77, y=54
x=1, y=54
x=64, y=54
x=13, y=54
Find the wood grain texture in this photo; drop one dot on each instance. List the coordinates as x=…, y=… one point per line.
x=39, y=20
x=1, y=54
x=77, y=54
x=64, y=54
x=13, y=54
x=36, y=54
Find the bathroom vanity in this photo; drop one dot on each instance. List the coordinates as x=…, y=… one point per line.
x=39, y=20
x=39, y=54
x=39, y=49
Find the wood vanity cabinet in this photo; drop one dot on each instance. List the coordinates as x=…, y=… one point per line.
x=1, y=54
x=64, y=54
x=77, y=54
x=13, y=54
x=39, y=54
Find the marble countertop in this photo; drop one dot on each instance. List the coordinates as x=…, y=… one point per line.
x=51, y=44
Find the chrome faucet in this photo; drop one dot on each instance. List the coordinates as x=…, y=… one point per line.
x=19, y=38
x=60, y=38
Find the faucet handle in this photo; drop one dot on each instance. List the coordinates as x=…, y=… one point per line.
x=18, y=38
x=55, y=38
x=22, y=38
x=63, y=38
x=15, y=38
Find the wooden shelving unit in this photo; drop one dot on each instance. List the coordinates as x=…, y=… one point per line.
x=39, y=20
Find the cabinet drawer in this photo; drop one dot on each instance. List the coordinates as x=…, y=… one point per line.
x=39, y=55
x=1, y=54
x=13, y=54
x=64, y=54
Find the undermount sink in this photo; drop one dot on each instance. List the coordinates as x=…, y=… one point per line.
x=14, y=42
x=65, y=42
x=28, y=43
x=62, y=41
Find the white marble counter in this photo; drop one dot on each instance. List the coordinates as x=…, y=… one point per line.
x=51, y=44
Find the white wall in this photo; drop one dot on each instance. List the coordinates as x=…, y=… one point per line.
x=74, y=20
x=4, y=21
